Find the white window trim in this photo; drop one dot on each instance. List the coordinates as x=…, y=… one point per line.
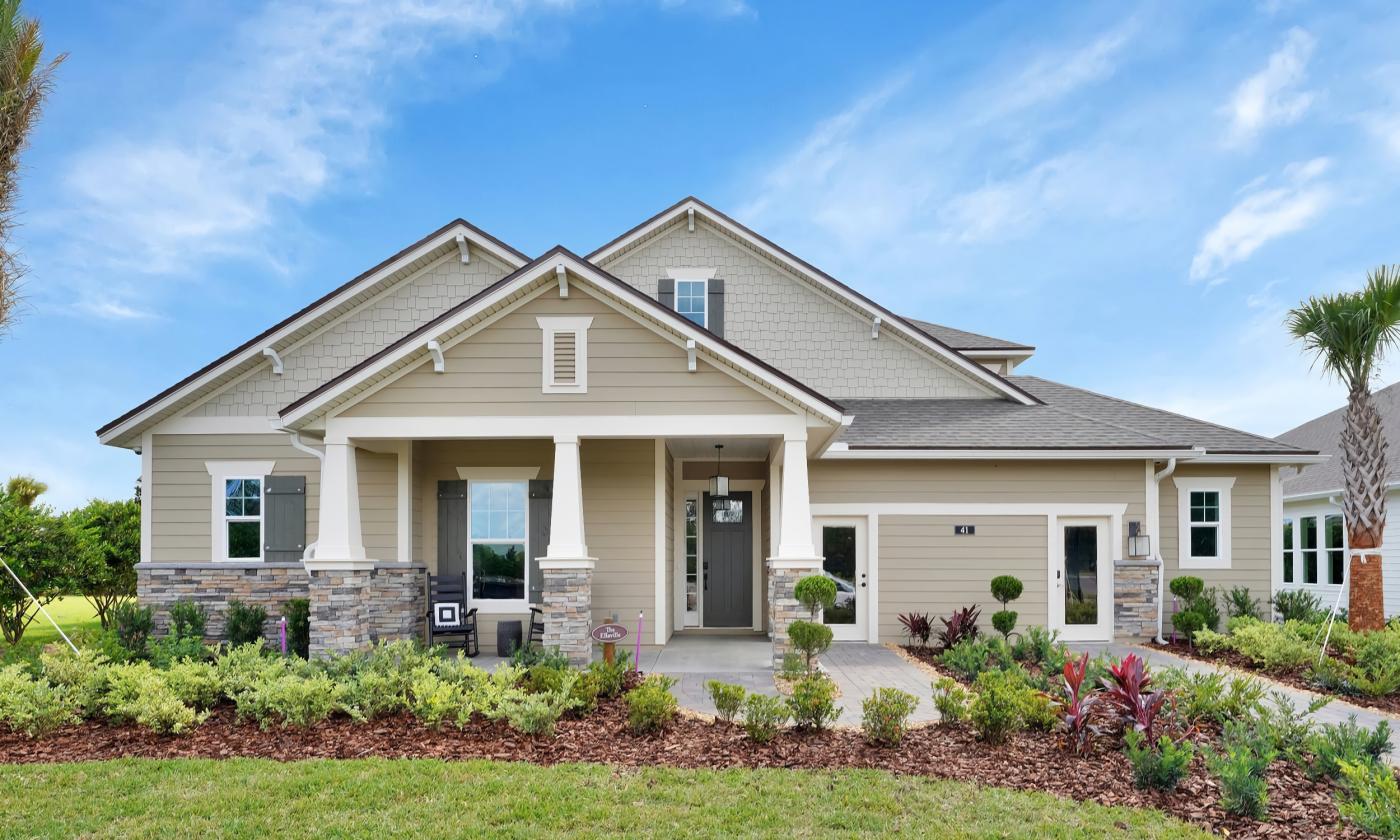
x=219, y=472
x=1184, y=487
x=704, y=297
x=500, y=475
x=1319, y=512
x=549, y=326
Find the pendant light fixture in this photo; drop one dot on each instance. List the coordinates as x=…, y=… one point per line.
x=719, y=482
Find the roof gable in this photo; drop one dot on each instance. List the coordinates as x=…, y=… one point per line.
x=1325, y=435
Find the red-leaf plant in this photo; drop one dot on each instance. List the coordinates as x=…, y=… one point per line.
x=1077, y=703
x=959, y=626
x=1127, y=690
x=917, y=627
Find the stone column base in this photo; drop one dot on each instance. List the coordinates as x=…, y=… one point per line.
x=783, y=607
x=338, y=609
x=1135, y=591
x=568, y=607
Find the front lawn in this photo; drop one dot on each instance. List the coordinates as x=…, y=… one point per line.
x=417, y=798
x=74, y=614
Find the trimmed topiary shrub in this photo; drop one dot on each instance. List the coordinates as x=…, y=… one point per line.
x=1006, y=588
x=1187, y=588
x=816, y=593
x=811, y=638
x=1004, y=621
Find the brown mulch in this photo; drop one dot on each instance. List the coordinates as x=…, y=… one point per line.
x=1029, y=761
x=1296, y=678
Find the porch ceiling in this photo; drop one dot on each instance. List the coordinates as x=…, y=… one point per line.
x=734, y=448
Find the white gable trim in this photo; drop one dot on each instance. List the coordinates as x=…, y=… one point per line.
x=918, y=338
x=134, y=422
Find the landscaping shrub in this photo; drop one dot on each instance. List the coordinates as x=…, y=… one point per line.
x=1210, y=696
x=1042, y=647
x=1004, y=621
x=196, y=683
x=1288, y=728
x=537, y=713
x=82, y=674
x=1377, y=663
x=1006, y=588
x=435, y=701
x=1239, y=603
x=998, y=707
x=611, y=678
x=816, y=593
x=1159, y=767
x=951, y=700
x=1187, y=587
x=167, y=650
x=764, y=716
x=1188, y=623
x=918, y=627
x=372, y=694
x=1209, y=641
x=813, y=702
x=651, y=706
x=244, y=623
x=810, y=637
x=243, y=667
x=298, y=614
x=187, y=618
x=1244, y=789
x=1370, y=798
x=1038, y=710
x=526, y=657
x=133, y=624
x=1273, y=647
x=1077, y=701
x=1127, y=689
x=971, y=657
x=1297, y=605
x=885, y=715
x=793, y=667
x=1333, y=745
x=960, y=625
x=33, y=706
x=139, y=693
x=291, y=700
x=727, y=697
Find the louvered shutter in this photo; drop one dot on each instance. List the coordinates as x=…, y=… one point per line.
x=452, y=528
x=565, y=358
x=284, y=518
x=666, y=292
x=715, y=305
x=541, y=505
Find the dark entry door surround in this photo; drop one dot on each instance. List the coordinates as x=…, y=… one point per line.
x=728, y=548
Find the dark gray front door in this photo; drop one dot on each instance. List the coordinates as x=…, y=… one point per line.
x=729, y=560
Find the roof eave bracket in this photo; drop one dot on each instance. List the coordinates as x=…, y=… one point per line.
x=276, y=360
x=875, y=328
x=563, y=275
x=690, y=355
x=690, y=219
x=463, y=249
x=435, y=350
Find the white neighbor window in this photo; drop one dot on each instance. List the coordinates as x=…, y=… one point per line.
x=235, y=521
x=692, y=301
x=499, y=541
x=1203, y=522
x=565, y=349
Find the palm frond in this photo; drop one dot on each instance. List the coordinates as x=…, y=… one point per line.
x=1349, y=333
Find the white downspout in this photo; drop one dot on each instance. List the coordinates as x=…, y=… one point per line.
x=1155, y=526
x=320, y=456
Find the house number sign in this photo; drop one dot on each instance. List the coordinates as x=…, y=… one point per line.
x=964, y=530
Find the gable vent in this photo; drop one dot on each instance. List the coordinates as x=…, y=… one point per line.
x=564, y=367
x=565, y=358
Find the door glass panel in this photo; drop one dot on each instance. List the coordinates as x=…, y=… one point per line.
x=1332, y=527
x=692, y=571
x=727, y=511
x=1081, y=574
x=839, y=563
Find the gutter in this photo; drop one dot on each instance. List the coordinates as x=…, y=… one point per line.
x=320, y=456
x=1157, y=553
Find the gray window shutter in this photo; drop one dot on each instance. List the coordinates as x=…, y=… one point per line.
x=541, y=504
x=666, y=292
x=715, y=304
x=452, y=528
x=284, y=518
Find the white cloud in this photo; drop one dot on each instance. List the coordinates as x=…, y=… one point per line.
x=111, y=310
x=713, y=8
x=1272, y=97
x=1263, y=214
x=292, y=113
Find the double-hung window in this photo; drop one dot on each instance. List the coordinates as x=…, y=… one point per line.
x=1289, y=555
x=1204, y=522
x=691, y=301
x=243, y=518
x=1335, y=543
x=499, y=540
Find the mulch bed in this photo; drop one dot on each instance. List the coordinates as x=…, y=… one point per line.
x=1297, y=678
x=1298, y=807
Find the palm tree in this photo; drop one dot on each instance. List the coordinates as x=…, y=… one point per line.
x=1348, y=334
x=24, y=83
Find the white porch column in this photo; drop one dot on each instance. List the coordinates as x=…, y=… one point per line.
x=566, y=538
x=404, y=491
x=795, y=541
x=339, y=538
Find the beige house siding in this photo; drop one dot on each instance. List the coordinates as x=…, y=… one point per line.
x=925, y=568
x=783, y=320
x=1250, y=530
x=631, y=370
x=376, y=323
x=181, y=490
x=378, y=477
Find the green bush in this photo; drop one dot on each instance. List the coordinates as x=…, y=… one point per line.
x=998, y=706
x=764, y=716
x=435, y=701
x=1272, y=647
x=1038, y=711
x=1209, y=641
x=1004, y=621
x=971, y=657
x=1377, y=657
x=885, y=716
x=611, y=678
x=1187, y=587
x=1288, y=728
x=187, y=618
x=1006, y=588
x=196, y=683
x=793, y=667
x=1370, y=798
x=32, y=706
x=1239, y=603
x=813, y=702
x=1244, y=788
x=951, y=700
x=244, y=623
x=82, y=674
x=816, y=593
x=1333, y=745
x=291, y=700
x=139, y=693
x=1042, y=647
x=727, y=697
x=1157, y=768
x=242, y=668
x=298, y=615
x=1188, y=623
x=170, y=649
x=650, y=706
x=810, y=637
x=537, y=713
x=371, y=694
x=133, y=624
x=1297, y=605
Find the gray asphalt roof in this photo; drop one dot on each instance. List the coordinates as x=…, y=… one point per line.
x=964, y=340
x=1324, y=434
x=1071, y=418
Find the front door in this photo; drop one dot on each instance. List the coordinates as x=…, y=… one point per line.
x=1081, y=592
x=842, y=546
x=728, y=566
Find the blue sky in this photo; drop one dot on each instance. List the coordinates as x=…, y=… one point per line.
x=1139, y=191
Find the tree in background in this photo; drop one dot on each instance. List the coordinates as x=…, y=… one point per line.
x=1349, y=333
x=25, y=81
x=105, y=572
x=25, y=489
x=41, y=548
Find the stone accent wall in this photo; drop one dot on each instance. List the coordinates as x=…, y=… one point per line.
x=1135, y=599
x=783, y=607
x=212, y=585
x=397, y=606
x=568, y=602
x=338, y=620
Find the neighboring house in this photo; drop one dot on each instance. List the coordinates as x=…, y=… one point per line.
x=548, y=427
x=1314, y=537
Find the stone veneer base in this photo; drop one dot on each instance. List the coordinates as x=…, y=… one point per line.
x=568, y=610
x=1135, y=591
x=783, y=606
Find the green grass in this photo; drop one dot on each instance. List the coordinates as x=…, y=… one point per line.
x=253, y=798
x=72, y=612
